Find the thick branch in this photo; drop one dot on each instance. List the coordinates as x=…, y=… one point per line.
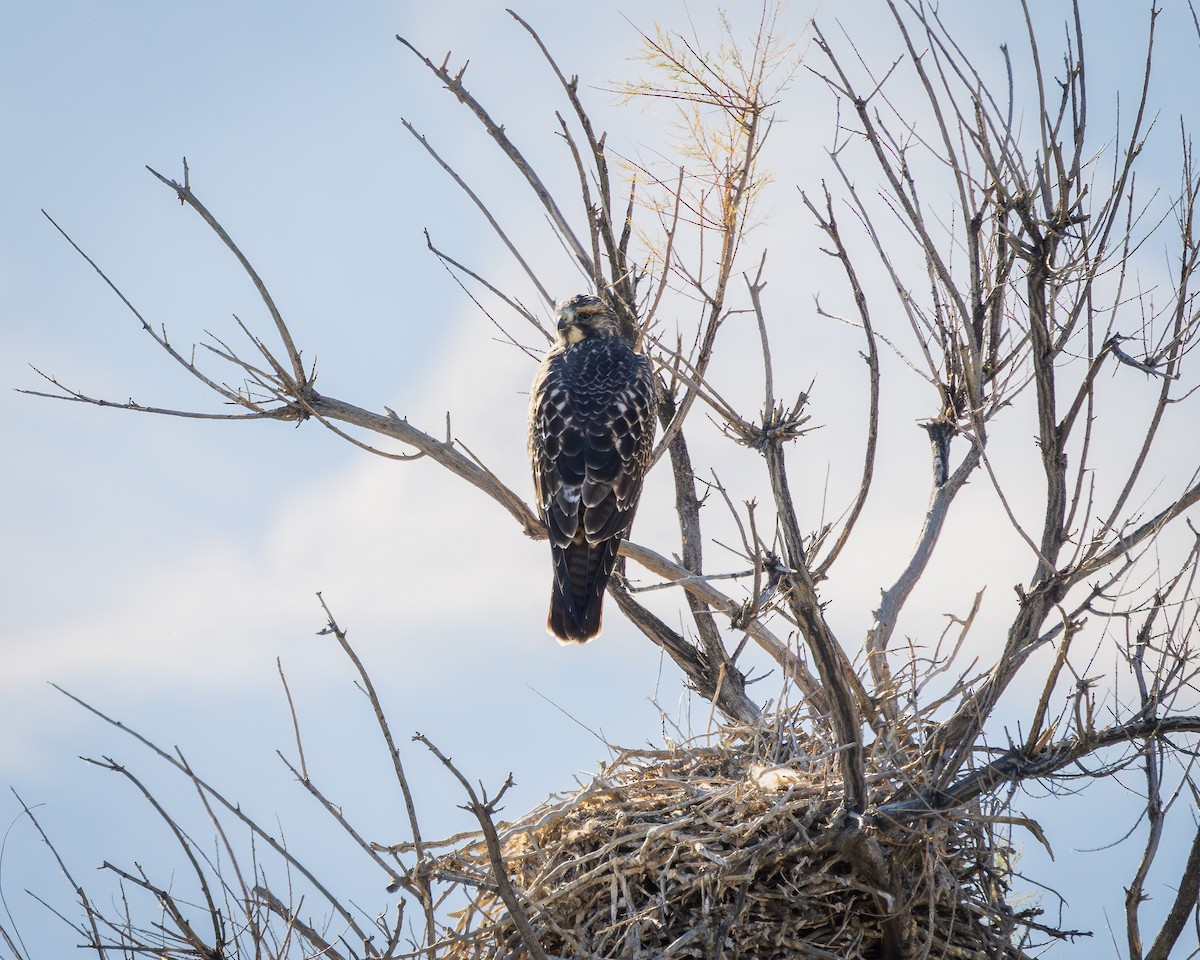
x=687, y=508
x=1018, y=765
x=837, y=675
x=792, y=666
x=718, y=682
x=1184, y=905
x=894, y=597
x=444, y=453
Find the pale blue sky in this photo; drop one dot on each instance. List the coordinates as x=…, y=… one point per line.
x=158, y=567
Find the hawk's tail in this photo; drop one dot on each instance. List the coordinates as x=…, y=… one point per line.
x=581, y=573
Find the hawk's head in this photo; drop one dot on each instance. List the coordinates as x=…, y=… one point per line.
x=584, y=317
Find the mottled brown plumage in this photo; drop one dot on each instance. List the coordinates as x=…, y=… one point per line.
x=591, y=426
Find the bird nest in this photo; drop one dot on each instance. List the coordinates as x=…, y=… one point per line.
x=737, y=847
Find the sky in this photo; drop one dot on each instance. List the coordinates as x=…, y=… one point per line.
x=162, y=569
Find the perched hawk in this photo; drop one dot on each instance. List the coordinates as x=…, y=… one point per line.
x=591, y=424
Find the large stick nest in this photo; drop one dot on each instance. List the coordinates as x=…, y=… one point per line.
x=738, y=848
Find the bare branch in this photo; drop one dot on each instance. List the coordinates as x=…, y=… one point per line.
x=455, y=85
x=483, y=811
x=483, y=208
x=278, y=848
x=1015, y=766
x=1187, y=896
x=184, y=192
x=419, y=878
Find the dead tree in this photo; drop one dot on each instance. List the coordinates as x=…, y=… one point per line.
x=866, y=811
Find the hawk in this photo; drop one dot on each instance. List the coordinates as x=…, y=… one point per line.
x=591, y=425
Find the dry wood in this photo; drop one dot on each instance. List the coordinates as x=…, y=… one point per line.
x=739, y=848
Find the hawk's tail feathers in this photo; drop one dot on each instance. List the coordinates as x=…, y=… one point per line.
x=566, y=624
x=581, y=574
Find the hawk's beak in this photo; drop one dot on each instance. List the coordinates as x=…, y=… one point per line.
x=564, y=321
